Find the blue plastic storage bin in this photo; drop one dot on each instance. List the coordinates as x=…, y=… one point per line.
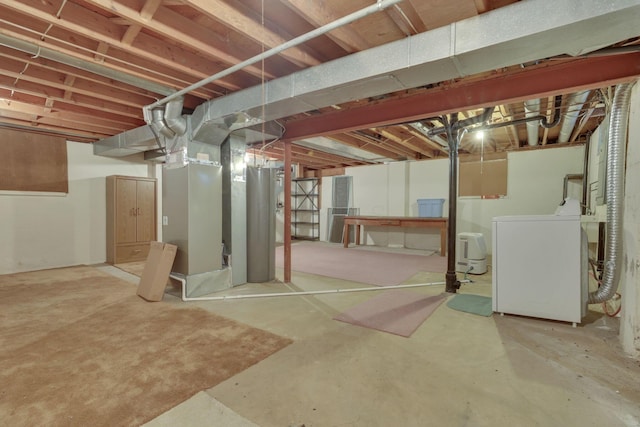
x=430, y=208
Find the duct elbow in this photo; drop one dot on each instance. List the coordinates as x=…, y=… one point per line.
x=173, y=116
x=178, y=125
x=167, y=120
x=159, y=125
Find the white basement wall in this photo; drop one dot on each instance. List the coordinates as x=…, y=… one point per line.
x=46, y=231
x=535, y=186
x=630, y=275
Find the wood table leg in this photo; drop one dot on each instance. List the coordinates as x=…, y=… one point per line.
x=357, y=234
x=345, y=235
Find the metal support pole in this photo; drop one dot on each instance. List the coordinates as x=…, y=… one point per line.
x=452, y=282
x=585, y=177
x=287, y=211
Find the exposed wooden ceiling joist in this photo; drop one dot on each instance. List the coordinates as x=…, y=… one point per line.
x=46, y=84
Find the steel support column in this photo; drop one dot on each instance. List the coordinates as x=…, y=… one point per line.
x=452, y=283
x=287, y=211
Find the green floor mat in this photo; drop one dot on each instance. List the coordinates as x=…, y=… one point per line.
x=474, y=304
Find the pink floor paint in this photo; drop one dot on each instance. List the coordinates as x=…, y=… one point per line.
x=356, y=265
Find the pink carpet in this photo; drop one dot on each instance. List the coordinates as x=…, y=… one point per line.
x=396, y=311
x=371, y=267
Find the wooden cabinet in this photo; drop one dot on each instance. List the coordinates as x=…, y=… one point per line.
x=131, y=218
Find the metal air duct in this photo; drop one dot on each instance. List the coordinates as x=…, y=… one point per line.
x=167, y=120
x=158, y=124
x=532, y=109
x=467, y=47
x=173, y=116
x=575, y=103
x=126, y=143
x=616, y=153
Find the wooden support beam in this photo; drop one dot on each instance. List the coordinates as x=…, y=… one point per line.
x=317, y=14
x=399, y=150
x=300, y=159
x=434, y=146
x=324, y=172
x=369, y=146
x=225, y=14
x=415, y=145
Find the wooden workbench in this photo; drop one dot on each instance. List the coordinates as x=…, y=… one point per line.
x=395, y=221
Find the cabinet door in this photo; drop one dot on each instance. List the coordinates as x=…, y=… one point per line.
x=146, y=211
x=126, y=211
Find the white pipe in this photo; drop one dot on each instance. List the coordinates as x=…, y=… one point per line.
x=574, y=107
x=380, y=5
x=532, y=109
x=185, y=298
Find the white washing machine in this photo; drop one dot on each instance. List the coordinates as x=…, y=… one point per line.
x=540, y=265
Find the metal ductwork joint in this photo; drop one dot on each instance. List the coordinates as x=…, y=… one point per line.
x=173, y=116
x=616, y=153
x=158, y=124
x=167, y=120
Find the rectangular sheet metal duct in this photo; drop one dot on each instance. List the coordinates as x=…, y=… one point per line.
x=519, y=33
x=511, y=35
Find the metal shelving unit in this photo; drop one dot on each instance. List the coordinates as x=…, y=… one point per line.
x=305, y=209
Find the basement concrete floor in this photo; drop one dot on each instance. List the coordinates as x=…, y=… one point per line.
x=457, y=369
